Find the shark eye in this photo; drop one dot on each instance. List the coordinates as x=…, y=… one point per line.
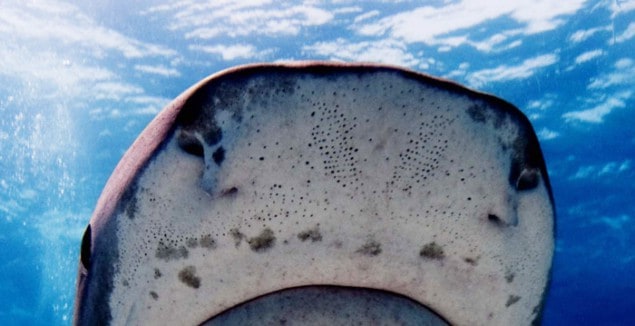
x=190, y=144
x=85, y=251
x=528, y=179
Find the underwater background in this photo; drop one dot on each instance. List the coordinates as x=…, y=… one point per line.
x=79, y=81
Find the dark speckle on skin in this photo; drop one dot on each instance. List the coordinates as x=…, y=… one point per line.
x=470, y=260
x=511, y=300
x=237, y=235
x=188, y=276
x=154, y=295
x=168, y=252
x=263, y=241
x=432, y=250
x=370, y=248
x=311, y=234
x=509, y=276
x=157, y=273
x=207, y=241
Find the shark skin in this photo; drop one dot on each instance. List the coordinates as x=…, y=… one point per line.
x=315, y=179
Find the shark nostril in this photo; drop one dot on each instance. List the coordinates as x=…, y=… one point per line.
x=494, y=219
x=219, y=155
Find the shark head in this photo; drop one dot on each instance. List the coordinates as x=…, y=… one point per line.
x=317, y=192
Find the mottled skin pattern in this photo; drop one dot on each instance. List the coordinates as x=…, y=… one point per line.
x=269, y=177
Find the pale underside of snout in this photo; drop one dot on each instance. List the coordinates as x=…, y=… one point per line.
x=324, y=191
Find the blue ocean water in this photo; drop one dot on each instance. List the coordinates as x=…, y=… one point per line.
x=79, y=81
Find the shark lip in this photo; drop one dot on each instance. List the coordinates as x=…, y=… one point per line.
x=328, y=305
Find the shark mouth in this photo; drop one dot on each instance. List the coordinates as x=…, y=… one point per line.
x=329, y=305
x=323, y=193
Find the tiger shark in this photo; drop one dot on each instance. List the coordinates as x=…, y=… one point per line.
x=323, y=193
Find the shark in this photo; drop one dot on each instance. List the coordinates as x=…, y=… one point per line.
x=323, y=193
